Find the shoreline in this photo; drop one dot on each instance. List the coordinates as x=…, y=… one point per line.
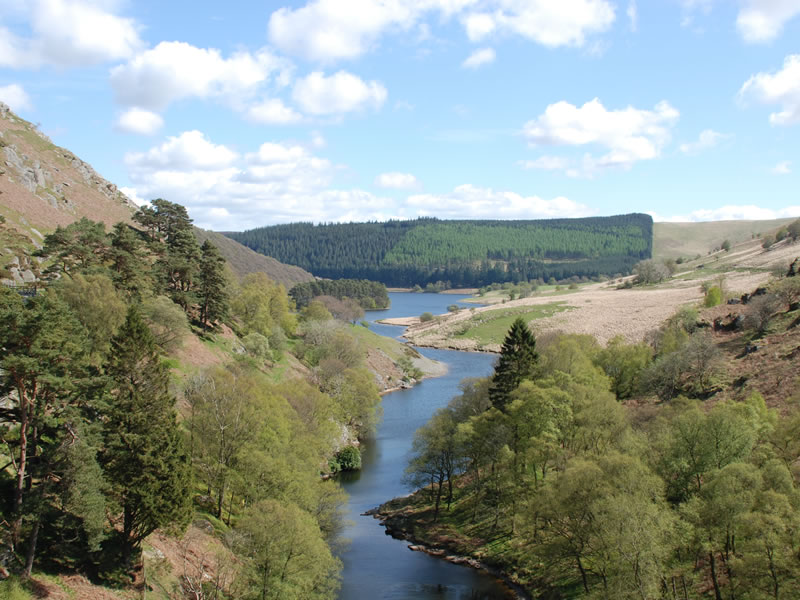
x=443, y=552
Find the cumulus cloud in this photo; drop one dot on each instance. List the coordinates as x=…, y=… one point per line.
x=68, y=33
x=763, y=21
x=137, y=120
x=185, y=152
x=331, y=30
x=273, y=112
x=551, y=24
x=469, y=201
x=341, y=92
x=397, y=181
x=782, y=168
x=16, y=97
x=629, y=134
x=175, y=70
x=782, y=87
x=708, y=138
x=748, y=212
x=480, y=57
x=225, y=190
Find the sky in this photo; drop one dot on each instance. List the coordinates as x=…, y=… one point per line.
x=256, y=113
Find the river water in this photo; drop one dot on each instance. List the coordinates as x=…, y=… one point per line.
x=377, y=566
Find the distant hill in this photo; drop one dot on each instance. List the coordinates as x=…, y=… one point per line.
x=243, y=260
x=673, y=240
x=43, y=185
x=464, y=253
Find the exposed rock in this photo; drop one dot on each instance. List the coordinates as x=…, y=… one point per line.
x=28, y=276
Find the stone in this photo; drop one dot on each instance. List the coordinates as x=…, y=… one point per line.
x=28, y=276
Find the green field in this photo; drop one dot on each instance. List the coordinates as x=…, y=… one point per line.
x=490, y=327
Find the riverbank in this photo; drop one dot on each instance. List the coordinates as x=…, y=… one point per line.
x=410, y=518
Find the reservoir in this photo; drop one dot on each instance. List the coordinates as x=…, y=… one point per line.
x=377, y=566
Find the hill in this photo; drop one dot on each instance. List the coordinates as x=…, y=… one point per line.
x=463, y=253
x=673, y=240
x=244, y=261
x=43, y=186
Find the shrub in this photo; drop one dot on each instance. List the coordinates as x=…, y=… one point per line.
x=167, y=322
x=425, y=317
x=256, y=345
x=768, y=241
x=761, y=310
x=453, y=308
x=713, y=296
x=726, y=245
x=347, y=459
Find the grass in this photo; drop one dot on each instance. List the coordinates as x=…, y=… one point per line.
x=393, y=348
x=671, y=240
x=490, y=327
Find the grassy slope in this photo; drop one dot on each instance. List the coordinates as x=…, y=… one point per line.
x=671, y=240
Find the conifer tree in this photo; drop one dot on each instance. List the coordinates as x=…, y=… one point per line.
x=517, y=362
x=144, y=457
x=212, y=291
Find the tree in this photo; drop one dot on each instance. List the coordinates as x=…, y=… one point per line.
x=144, y=458
x=212, y=285
x=287, y=557
x=76, y=247
x=43, y=371
x=650, y=271
x=518, y=359
x=130, y=264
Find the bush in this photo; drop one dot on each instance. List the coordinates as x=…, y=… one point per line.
x=347, y=459
x=256, y=345
x=167, y=322
x=425, y=317
x=726, y=245
x=768, y=241
x=761, y=310
x=713, y=296
x=453, y=308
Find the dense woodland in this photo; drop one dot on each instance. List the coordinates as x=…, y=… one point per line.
x=463, y=253
x=108, y=436
x=553, y=470
x=370, y=295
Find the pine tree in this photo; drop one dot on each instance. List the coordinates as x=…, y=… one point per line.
x=144, y=457
x=518, y=359
x=212, y=291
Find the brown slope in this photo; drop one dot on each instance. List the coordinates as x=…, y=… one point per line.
x=243, y=260
x=43, y=185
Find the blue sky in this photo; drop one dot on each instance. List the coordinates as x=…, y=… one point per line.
x=255, y=113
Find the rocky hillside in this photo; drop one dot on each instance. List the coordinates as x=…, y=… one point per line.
x=43, y=185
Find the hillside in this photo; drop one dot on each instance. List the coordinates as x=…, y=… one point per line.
x=673, y=240
x=244, y=261
x=463, y=253
x=43, y=186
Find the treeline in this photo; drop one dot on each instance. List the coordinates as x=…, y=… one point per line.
x=574, y=494
x=464, y=253
x=96, y=457
x=370, y=295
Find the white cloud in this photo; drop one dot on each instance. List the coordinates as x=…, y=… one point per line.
x=186, y=152
x=552, y=24
x=469, y=201
x=763, y=20
x=133, y=195
x=175, y=70
x=69, y=33
x=341, y=92
x=782, y=168
x=629, y=134
x=546, y=163
x=480, y=57
x=397, y=181
x=16, y=97
x=781, y=88
x=137, y=120
x=731, y=212
x=273, y=112
x=708, y=138
x=331, y=30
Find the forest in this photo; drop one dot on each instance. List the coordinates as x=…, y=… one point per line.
x=614, y=472
x=462, y=253
x=109, y=435
x=370, y=295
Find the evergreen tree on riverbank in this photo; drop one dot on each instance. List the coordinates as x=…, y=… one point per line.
x=517, y=362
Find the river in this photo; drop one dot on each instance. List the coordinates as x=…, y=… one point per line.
x=377, y=566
